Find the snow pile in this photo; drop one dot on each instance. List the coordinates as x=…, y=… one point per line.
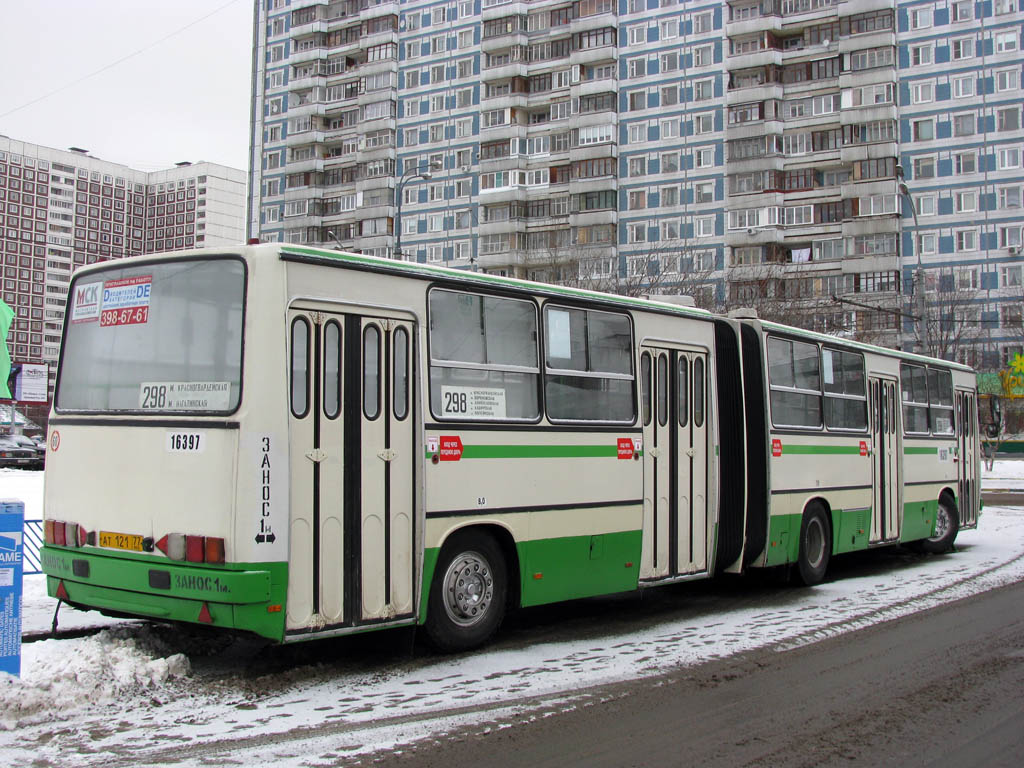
x=58, y=676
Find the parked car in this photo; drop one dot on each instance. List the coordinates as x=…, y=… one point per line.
x=28, y=442
x=12, y=454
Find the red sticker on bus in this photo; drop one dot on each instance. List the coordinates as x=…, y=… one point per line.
x=863, y=448
x=451, y=448
x=776, y=447
x=625, y=448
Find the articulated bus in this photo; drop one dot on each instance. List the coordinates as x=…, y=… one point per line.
x=301, y=443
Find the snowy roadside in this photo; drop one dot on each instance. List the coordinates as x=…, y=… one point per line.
x=98, y=692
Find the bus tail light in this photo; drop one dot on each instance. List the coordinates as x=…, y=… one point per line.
x=214, y=550
x=61, y=534
x=193, y=549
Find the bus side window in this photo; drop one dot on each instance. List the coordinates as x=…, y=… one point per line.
x=332, y=369
x=645, y=387
x=662, y=390
x=400, y=368
x=914, y=385
x=940, y=398
x=300, y=367
x=683, y=395
x=698, y=392
x=371, y=371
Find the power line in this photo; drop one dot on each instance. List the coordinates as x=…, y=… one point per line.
x=123, y=59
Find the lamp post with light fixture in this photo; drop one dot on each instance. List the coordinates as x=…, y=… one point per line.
x=413, y=172
x=918, y=279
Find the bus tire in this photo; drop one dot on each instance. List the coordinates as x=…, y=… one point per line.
x=468, y=593
x=815, y=545
x=947, y=526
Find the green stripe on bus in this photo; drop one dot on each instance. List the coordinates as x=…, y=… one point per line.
x=851, y=450
x=918, y=450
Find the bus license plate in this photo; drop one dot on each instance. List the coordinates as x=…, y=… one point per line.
x=121, y=541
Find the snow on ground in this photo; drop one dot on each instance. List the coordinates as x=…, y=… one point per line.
x=1006, y=474
x=99, y=692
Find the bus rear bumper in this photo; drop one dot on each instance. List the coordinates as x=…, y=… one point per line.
x=239, y=596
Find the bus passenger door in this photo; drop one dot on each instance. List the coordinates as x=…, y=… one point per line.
x=885, y=460
x=674, y=413
x=967, y=457
x=316, y=580
x=380, y=481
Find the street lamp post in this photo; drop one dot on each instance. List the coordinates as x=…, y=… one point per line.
x=414, y=172
x=918, y=282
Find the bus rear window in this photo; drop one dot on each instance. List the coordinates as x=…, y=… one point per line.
x=155, y=338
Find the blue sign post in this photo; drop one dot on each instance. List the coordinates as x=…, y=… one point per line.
x=12, y=521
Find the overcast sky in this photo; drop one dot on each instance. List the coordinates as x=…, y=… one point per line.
x=185, y=98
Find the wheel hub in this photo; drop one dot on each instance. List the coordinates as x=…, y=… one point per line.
x=468, y=589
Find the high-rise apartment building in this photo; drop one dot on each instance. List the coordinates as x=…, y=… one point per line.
x=759, y=152
x=60, y=209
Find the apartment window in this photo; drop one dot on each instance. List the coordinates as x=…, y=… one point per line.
x=920, y=18
x=1010, y=276
x=1010, y=198
x=923, y=130
x=920, y=54
x=966, y=240
x=670, y=162
x=636, y=232
x=670, y=196
x=1008, y=119
x=704, y=226
x=964, y=125
x=637, y=101
x=669, y=95
x=922, y=93
x=704, y=123
x=1001, y=7
x=703, y=89
x=702, y=23
x=670, y=128
x=1007, y=80
x=1006, y=42
x=637, y=132
x=637, y=199
x=965, y=162
x=1007, y=158
x=961, y=10
x=669, y=29
x=670, y=61
x=965, y=201
x=703, y=55
x=637, y=166
x=962, y=48
x=924, y=167
x=703, y=192
x=963, y=87
x=927, y=243
x=703, y=158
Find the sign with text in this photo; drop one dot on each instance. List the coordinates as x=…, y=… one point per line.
x=31, y=384
x=12, y=521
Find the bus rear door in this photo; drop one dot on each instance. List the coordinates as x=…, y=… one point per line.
x=351, y=530
x=967, y=457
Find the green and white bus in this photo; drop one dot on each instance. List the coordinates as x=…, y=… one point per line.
x=302, y=443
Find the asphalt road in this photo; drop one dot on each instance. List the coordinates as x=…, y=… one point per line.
x=943, y=687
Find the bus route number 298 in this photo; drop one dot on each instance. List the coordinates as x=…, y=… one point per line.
x=185, y=442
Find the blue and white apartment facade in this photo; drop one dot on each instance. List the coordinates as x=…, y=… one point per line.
x=751, y=152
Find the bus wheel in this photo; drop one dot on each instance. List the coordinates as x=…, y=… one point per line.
x=815, y=545
x=947, y=526
x=467, y=597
